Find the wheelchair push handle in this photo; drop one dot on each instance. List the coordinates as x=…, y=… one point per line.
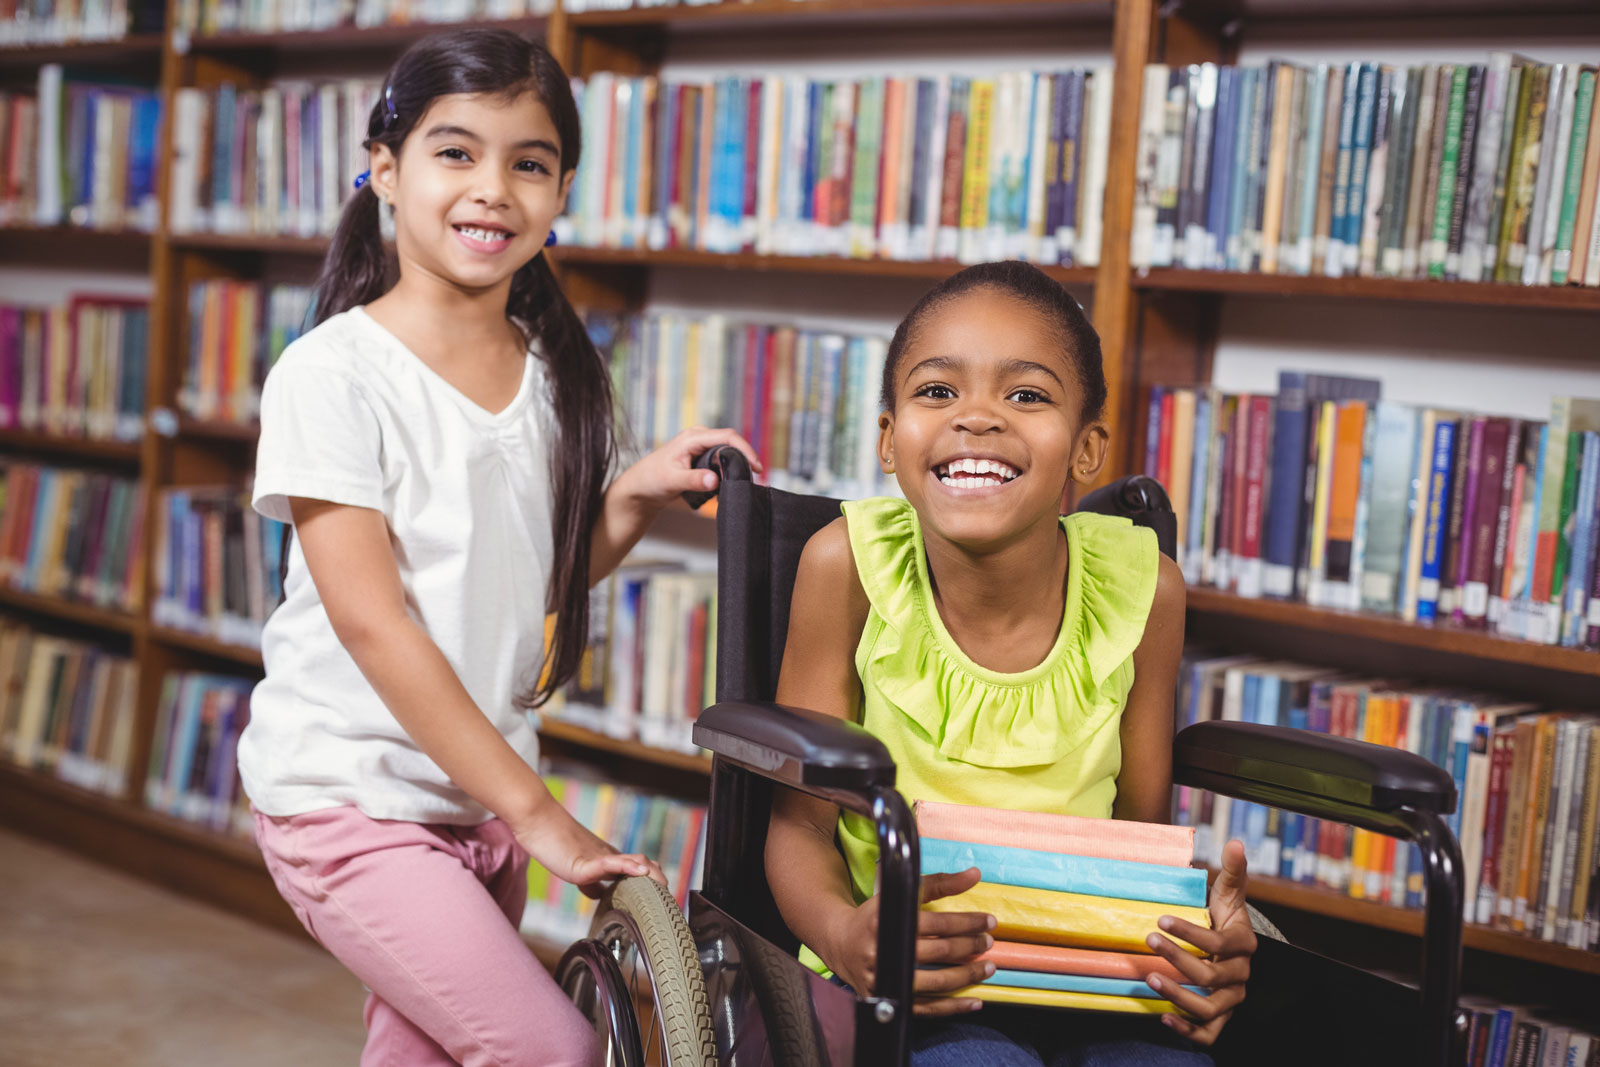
x=728, y=462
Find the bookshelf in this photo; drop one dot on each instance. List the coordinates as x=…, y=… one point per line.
x=1156, y=325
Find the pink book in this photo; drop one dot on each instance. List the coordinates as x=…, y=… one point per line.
x=1054, y=959
x=1171, y=846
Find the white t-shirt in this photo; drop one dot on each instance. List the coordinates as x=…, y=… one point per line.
x=351, y=416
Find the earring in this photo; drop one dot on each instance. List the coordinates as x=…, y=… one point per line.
x=550, y=239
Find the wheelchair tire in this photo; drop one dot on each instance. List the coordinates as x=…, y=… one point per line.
x=643, y=915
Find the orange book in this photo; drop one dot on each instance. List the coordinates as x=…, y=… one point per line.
x=205, y=391
x=1349, y=428
x=1363, y=855
x=1536, y=809
x=894, y=110
x=702, y=194
x=1056, y=959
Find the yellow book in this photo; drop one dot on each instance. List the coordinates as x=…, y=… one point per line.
x=1319, y=509
x=59, y=361
x=1060, y=998
x=975, y=170
x=1183, y=403
x=692, y=415
x=241, y=353
x=1076, y=920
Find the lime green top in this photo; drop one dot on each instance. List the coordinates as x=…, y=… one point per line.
x=1045, y=739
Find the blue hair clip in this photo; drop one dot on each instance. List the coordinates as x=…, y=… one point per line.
x=390, y=115
x=550, y=239
x=361, y=179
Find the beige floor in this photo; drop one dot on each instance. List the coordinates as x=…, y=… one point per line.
x=100, y=968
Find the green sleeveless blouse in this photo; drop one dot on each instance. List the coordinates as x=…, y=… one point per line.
x=1046, y=739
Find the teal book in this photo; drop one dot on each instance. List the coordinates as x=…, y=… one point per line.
x=1075, y=983
x=1387, y=514
x=1122, y=879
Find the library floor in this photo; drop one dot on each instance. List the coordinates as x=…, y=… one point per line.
x=98, y=968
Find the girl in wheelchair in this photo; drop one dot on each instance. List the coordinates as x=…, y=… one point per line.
x=1007, y=657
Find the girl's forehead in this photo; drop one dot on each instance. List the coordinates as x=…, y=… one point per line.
x=985, y=326
x=492, y=117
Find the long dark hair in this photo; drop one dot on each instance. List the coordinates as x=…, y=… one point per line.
x=358, y=270
x=1039, y=291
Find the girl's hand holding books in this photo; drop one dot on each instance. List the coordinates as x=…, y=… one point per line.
x=947, y=943
x=569, y=851
x=1230, y=943
x=664, y=475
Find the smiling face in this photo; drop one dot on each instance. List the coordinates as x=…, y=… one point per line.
x=475, y=189
x=985, y=433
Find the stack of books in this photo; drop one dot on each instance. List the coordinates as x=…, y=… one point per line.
x=237, y=332
x=216, y=565
x=1511, y=1035
x=951, y=167
x=1074, y=900
x=1473, y=172
x=1528, y=780
x=282, y=16
x=75, y=369
x=73, y=534
x=275, y=160
x=669, y=831
x=80, y=153
x=193, y=773
x=67, y=708
x=806, y=399
x=650, y=665
x=1326, y=494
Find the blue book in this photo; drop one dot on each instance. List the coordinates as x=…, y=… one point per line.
x=733, y=176
x=1268, y=690
x=819, y=126
x=1433, y=534
x=1248, y=90
x=1077, y=983
x=666, y=151
x=142, y=156
x=1279, y=542
x=222, y=151
x=1152, y=442
x=1360, y=147
x=1194, y=531
x=1505, y=1021
x=1574, y=623
x=1310, y=166
x=632, y=143
x=1219, y=188
x=1031, y=869
x=43, y=512
x=1334, y=262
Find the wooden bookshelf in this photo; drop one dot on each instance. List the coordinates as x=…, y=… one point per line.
x=750, y=261
x=243, y=655
x=217, y=430
x=853, y=13
x=63, y=610
x=75, y=246
x=1290, y=286
x=342, y=40
x=139, y=49
x=1322, y=901
x=121, y=453
x=594, y=741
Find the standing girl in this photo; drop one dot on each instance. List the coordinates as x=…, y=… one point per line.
x=1006, y=656
x=441, y=442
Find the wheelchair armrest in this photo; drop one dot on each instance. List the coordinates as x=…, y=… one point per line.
x=1314, y=774
x=795, y=746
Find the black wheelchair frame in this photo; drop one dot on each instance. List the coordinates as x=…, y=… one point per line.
x=757, y=744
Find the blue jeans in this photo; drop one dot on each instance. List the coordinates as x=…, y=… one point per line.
x=999, y=1036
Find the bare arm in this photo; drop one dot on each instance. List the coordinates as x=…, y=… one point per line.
x=352, y=564
x=1144, y=787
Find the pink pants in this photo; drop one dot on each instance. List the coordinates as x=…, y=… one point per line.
x=426, y=916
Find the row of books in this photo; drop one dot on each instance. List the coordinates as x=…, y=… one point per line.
x=1327, y=494
x=1073, y=899
x=806, y=399
x=216, y=565
x=1474, y=172
x=72, y=534
x=651, y=660
x=672, y=832
x=579, y=6
x=193, y=773
x=237, y=331
x=1513, y=1035
x=45, y=22
x=75, y=369
x=1528, y=817
x=282, y=16
x=66, y=707
x=951, y=167
x=273, y=160
x=81, y=153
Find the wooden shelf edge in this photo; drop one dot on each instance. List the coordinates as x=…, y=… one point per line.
x=814, y=10
x=110, y=451
x=210, y=646
x=352, y=36
x=70, y=610
x=1448, y=639
x=118, y=50
x=582, y=737
x=217, y=430
x=749, y=261
x=1486, y=294
x=1321, y=901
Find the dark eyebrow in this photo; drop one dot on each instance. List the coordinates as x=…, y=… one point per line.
x=1010, y=366
x=935, y=363
x=466, y=134
x=1024, y=366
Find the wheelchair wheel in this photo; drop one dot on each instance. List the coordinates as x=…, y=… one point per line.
x=644, y=932
x=591, y=979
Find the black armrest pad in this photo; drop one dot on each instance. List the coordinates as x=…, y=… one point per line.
x=795, y=746
x=1336, y=768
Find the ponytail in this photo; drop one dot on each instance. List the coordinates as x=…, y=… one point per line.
x=357, y=269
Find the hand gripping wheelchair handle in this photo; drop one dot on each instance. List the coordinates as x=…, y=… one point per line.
x=728, y=462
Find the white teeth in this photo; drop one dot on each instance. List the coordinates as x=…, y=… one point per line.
x=484, y=235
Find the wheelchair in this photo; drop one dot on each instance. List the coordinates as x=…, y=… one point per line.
x=723, y=986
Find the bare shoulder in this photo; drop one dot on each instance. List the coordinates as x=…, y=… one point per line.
x=1171, y=592
x=1163, y=628
x=827, y=582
